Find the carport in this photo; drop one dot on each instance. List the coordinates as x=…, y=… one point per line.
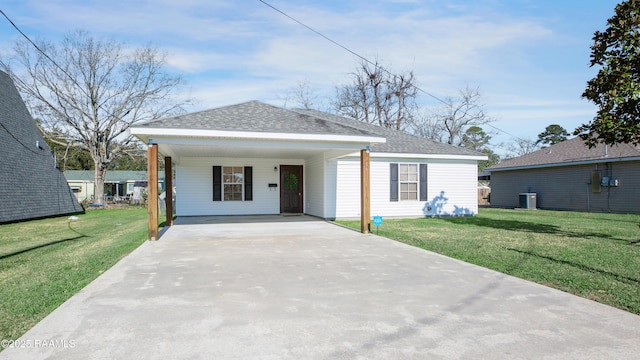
x=227, y=154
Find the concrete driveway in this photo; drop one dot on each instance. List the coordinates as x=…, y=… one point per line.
x=300, y=288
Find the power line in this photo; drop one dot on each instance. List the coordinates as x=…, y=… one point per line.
x=346, y=48
x=502, y=131
x=365, y=59
x=56, y=64
x=46, y=55
x=20, y=141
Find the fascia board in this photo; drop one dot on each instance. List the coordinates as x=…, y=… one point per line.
x=189, y=133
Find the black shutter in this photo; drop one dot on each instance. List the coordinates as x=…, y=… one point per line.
x=217, y=183
x=248, y=183
x=423, y=182
x=394, y=182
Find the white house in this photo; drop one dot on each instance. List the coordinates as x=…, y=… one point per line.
x=254, y=158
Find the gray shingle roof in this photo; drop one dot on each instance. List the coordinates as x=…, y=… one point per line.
x=569, y=152
x=397, y=141
x=255, y=116
x=30, y=184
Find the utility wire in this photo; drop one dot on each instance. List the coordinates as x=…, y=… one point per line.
x=346, y=48
x=366, y=60
x=270, y=6
x=55, y=63
x=504, y=132
x=21, y=143
x=45, y=55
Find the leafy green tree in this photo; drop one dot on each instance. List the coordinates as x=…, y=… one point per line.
x=616, y=87
x=552, y=135
x=493, y=159
x=68, y=156
x=476, y=139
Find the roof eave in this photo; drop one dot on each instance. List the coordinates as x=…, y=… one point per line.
x=430, y=156
x=144, y=133
x=567, y=163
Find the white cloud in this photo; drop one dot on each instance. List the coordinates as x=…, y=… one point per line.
x=233, y=51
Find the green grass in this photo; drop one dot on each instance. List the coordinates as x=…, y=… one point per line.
x=592, y=255
x=45, y=262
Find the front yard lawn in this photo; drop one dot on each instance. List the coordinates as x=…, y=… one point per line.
x=596, y=256
x=45, y=262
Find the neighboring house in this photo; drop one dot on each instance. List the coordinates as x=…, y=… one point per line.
x=117, y=184
x=255, y=158
x=570, y=176
x=31, y=186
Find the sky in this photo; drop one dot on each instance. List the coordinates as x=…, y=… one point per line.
x=529, y=58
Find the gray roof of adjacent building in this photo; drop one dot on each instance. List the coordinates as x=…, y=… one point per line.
x=112, y=176
x=570, y=152
x=31, y=186
x=256, y=116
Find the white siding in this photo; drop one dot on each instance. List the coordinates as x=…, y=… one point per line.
x=451, y=189
x=455, y=185
x=330, y=189
x=314, y=186
x=194, y=187
x=348, y=188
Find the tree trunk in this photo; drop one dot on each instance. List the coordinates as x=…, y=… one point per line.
x=99, y=176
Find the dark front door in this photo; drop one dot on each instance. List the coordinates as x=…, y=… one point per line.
x=291, y=189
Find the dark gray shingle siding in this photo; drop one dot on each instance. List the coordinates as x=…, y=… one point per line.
x=30, y=184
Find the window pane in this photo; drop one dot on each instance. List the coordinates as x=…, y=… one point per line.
x=232, y=184
x=408, y=177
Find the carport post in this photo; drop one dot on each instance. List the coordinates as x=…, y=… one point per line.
x=152, y=190
x=168, y=189
x=365, y=191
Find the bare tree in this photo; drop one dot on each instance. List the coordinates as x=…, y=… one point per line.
x=303, y=96
x=97, y=90
x=377, y=96
x=449, y=122
x=521, y=147
x=428, y=127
